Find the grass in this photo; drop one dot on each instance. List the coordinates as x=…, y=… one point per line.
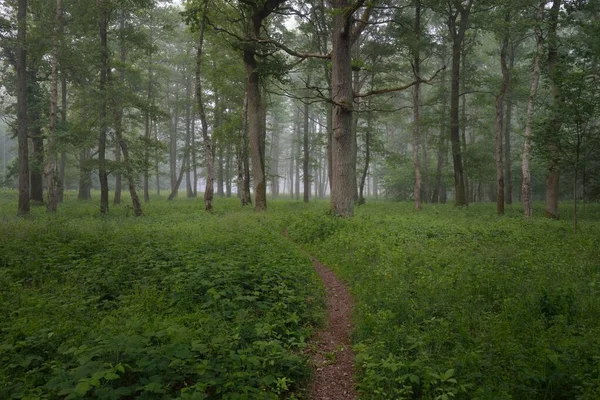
x=177, y=304
x=450, y=303
x=461, y=303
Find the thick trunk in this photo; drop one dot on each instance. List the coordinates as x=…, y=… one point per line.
x=255, y=131
x=535, y=77
x=21, y=70
x=343, y=185
x=552, y=180
x=104, y=70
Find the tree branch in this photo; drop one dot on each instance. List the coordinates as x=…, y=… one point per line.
x=399, y=88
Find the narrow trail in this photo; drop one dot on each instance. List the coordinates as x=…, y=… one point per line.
x=333, y=359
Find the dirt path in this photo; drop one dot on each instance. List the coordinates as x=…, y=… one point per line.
x=333, y=360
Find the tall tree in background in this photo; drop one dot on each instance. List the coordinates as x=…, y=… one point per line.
x=258, y=11
x=103, y=20
x=499, y=116
x=554, y=124
x=21, y=70
x=458, y=20
x=535, y=78
x=208, y=144
x=51, y=158
x=416, y=64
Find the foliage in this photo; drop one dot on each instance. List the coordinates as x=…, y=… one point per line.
x=178, y=304
x=458, y=303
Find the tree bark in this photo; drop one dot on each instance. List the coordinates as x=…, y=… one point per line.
x=535, y=77
x=23, y=206
x=343, y=185
x=243, y=183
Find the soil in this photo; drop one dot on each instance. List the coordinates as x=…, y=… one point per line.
x=333, y=360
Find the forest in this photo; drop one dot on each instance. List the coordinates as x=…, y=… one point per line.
x=187, y=184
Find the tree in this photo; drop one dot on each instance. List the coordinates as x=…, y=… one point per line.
x=535, y=77
x=21, y=69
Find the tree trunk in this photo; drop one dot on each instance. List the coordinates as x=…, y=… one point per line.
x=208, y=145
x=228, y=171
x=21, y=70
x=148, y=124
x=365, y=171
x=499, y=131
x=173, y=142
x=458, y=34
x=85, y=176
x=63, y=155
x=507, y=131
x=104, y=70
x=242, y=155
x=118, y=180
x=552, y=181
x=417, y=105
x=188, y=140
x=50, y=168
x=343, y=183
x=535, y=77
x=37, y=169
x=306, y=159
x=118, y=113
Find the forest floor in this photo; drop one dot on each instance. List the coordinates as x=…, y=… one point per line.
x=447, y=302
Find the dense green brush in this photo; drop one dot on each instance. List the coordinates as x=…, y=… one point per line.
x=176, y=304
x=460, y=303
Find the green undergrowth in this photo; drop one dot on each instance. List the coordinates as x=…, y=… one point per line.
x=463, y=304
x=175, y=304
